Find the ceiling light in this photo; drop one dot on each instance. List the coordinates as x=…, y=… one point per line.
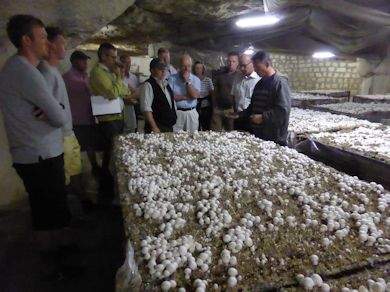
x=257, y=21
x=249, y=51
x=323, y=55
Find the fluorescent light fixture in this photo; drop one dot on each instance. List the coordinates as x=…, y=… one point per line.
x=257, y=21
x=323, y=55
x=249, y=51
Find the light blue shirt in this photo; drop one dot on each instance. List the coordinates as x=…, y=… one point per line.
x=179, y=88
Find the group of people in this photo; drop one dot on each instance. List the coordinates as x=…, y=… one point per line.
x=248, y=95
x=49, y=120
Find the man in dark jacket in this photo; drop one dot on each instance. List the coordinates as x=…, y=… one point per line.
x=157, y=101
x=269, y=111
x=223, y=101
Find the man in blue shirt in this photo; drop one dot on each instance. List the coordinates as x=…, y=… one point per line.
x=186, y=90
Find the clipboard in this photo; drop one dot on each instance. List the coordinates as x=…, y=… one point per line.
x=103, y=106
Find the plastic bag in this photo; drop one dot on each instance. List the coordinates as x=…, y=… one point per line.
x=128, y=278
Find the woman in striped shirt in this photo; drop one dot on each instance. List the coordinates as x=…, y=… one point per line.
x=204, y=106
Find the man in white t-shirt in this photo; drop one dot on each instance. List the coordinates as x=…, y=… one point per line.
x=132, y=82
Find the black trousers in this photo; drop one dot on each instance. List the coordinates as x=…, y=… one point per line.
x=259, y=133
x=205, y=115
x=108, y=130
x=89, y=137
x=242, y=125
x=45, y=184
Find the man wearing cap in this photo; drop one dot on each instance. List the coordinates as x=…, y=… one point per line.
x=157, y=100
x=186, y=89
x=76, y=81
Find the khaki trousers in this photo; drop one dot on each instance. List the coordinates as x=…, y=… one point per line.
x=219, y=122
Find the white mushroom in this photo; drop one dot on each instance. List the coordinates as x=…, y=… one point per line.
x=232, y=282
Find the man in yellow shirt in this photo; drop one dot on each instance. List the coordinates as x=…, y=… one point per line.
x=105, y=81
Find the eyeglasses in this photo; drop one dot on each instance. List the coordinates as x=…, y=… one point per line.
x=244, y=65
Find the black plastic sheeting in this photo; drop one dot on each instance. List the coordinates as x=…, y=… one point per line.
x=294, y=139
x=375, y=117
x=365, y=168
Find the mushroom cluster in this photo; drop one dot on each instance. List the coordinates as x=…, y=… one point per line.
x=304, y=121
x=308, y=96
x=371, y=285
x=306, y=100
x=221, y=210
x=327, y=92
x=373, y=142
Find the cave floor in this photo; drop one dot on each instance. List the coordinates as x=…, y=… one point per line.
x=99, y=235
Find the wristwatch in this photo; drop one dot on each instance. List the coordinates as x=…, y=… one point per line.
x=188, y=83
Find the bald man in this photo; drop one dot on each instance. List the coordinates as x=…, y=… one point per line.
x=186, y=90
x=242, y=88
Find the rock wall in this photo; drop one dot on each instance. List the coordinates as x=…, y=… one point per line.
x=306, y=73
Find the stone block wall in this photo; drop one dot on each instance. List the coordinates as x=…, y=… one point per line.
x=307, y=73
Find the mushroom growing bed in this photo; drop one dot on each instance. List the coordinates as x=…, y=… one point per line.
x=218, y=211
x=304, y=100
x=353, y=108
x=333, y=93
x=373, y=142
x=374, y=112
x=303, y=121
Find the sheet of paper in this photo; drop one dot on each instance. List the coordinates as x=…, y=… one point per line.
x=104, y=106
